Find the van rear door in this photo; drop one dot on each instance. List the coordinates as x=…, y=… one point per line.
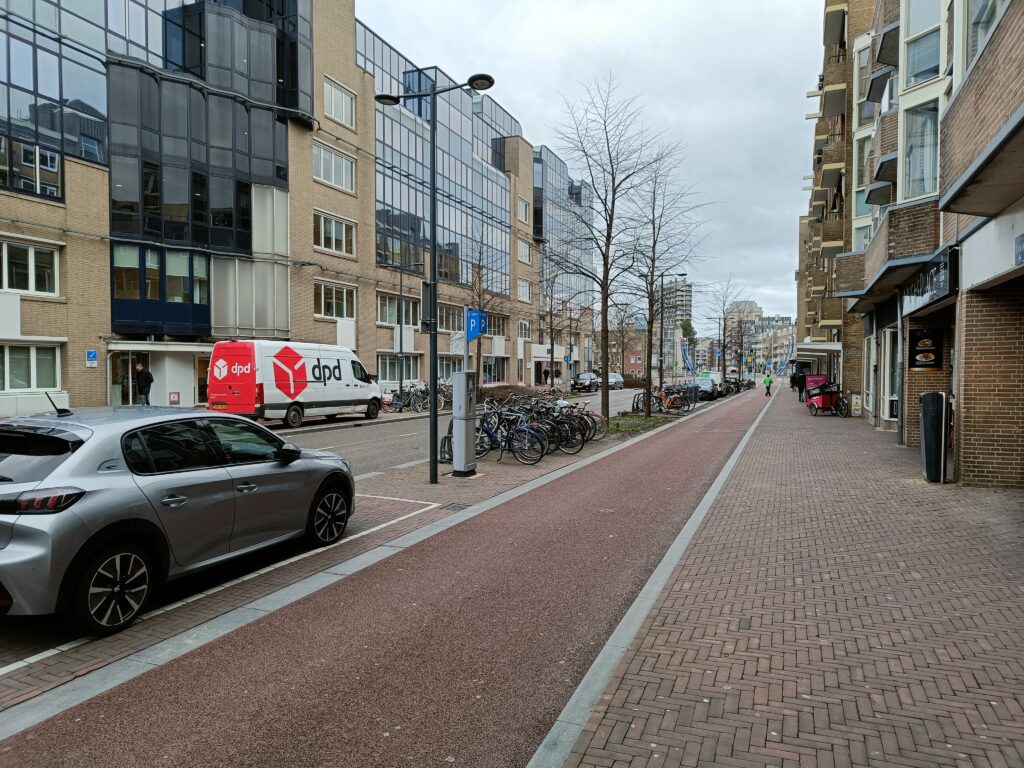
x=231, y=383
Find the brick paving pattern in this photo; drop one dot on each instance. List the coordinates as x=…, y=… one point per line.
x=834, y=610
x=380, y=499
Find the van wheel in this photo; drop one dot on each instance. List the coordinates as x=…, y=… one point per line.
x=293, y=416
x=372, y=409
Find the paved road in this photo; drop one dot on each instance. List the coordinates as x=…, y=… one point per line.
x=460, y=650
x=384, y=444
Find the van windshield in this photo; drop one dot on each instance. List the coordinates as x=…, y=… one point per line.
x=28, y=457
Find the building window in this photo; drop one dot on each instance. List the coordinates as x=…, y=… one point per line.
x=869, y=373
x=29, y=368
x=523, y=209
x=922, y=25
x=449, y=317
x=387, y=310
x=330, y=300
x=333, y=234
x=29, y=269
x=524, y=290
x=389, y=367
x=497, y=325
x=448, y=366
x=865, y=108
x=523, y=251
x=861, y=238
x=334, y=168
x=339, y=103
x=200, y=279
x=525, y=329
x=921, y=161
x=176, y=283
x=981, y=20
x=495, y=369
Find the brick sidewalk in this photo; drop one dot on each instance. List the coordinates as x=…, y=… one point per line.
x=834, y=610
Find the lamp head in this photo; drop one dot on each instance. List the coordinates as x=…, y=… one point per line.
x=387, y=99
x=480, y=82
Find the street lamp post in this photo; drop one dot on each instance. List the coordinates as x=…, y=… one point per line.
x=401, y=327
x=479, y=82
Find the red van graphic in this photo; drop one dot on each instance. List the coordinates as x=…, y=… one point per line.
x=289, y=372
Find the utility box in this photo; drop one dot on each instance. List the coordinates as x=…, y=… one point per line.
x=933, y=435
x=464, y=423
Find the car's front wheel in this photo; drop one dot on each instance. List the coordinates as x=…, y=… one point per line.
x=113, y=588
x=328, y=517
x=372, y=409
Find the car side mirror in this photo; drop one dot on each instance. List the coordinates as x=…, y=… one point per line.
x=288, y=453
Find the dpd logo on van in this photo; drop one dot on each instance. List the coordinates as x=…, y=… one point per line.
x=220, y=369
x=289, y=372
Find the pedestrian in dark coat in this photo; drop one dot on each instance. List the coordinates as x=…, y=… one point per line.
x=143, y=383
x=801, y=384
x=792, y=380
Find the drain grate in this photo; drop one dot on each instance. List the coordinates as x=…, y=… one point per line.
x=455, y=507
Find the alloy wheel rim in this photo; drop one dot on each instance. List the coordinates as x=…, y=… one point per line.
x=118, y=589
x=331, y=517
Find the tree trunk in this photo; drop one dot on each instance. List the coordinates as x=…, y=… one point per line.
x=605, y=405
x=649, y=354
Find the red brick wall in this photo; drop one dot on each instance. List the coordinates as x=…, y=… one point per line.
x=913, y=230
x=993, y=91
x=990, y=372
x=918, y=381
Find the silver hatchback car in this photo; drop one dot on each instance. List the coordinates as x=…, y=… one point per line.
x=99, y=507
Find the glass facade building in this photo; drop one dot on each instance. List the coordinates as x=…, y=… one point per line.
x=474, y=219
x=199, y=98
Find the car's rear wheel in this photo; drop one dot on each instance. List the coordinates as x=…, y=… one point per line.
x=328, y=517
x=293, y=416
x=113, y=588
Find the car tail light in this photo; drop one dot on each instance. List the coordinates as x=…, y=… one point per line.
x=259, y=394
x=47, y=501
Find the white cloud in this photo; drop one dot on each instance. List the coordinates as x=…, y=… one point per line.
x=726, y=79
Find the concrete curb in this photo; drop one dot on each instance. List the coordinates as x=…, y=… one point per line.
x=51, y=703
x=558, y=744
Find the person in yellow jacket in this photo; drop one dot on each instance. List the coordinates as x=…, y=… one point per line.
x=768, y=384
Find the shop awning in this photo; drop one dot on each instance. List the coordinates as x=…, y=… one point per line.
x=817, y=350
x=892, y=274
x=835, y=24
x=157, y=346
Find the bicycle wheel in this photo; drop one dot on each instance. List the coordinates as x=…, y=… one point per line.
x=483, y=443
x=445, y=450
x=572, y=437
x=418, y=402
x=526, y=446
x=843, y=409
x=600, y=426
x=389, y=406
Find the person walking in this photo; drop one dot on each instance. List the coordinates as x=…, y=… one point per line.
x=143, y=382
x=768, y=384
x=801, y=384
x=792, y=381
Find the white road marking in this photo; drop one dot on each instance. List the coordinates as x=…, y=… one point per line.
x=410, y=434
x=366, y=476
x=409, y=464
x=280, y=564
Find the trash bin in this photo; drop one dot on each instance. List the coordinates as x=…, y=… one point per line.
x=933, y=433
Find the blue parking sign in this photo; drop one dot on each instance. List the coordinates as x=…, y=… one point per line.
x=476, y=324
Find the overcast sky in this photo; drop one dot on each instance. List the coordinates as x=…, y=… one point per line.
x=728, y=79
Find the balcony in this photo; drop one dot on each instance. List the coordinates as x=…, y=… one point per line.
x=833, y=100
x=982, y=130
x=833, y=229
x=850, y=274
x=837, y=70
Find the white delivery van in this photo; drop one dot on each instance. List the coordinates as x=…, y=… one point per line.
x=289, y=381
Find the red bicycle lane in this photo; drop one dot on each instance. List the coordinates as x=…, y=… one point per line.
x=461, y=649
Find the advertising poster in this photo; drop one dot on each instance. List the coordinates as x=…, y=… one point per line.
x=925, y=349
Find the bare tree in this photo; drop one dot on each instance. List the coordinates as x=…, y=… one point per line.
x=666, y=241
x=560, y=311
x=721, y=297
x=605, y=141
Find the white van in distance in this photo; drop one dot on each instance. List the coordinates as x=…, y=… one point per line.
x=289, y=381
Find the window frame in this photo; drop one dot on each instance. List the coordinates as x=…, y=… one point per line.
x=334, y=218
x=31, y=290
x=521, y=204
x=411, y=307
x=33, y=368
x=211, y=425
x=202, y=426
x=335, y=287
x=332, y=182
x=493, y=322
x=528, y=325
x=904, y=185
x=935, y=28
x=520, y=242
x=330, y=82
x=447, y=312
x=522, y=283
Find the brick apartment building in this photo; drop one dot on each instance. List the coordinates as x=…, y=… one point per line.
x=933, y=282
x=221, y=170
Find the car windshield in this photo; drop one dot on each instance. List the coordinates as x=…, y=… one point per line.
x=26, y=457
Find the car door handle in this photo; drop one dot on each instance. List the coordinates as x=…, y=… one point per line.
x=246, y=487
x=174, y=500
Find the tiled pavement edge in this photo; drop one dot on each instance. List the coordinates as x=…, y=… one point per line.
x=833, y=610
x=385, y=496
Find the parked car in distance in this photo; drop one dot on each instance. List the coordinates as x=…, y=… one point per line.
x=707, y=389
x=585, y=382
x=289, y=381
x=101, y=506
x=615, y=381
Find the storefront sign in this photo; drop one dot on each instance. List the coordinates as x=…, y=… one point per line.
x=1018, y=251
x=174, y=398
x=928, y=286
x=855, y=405
x=925, y=349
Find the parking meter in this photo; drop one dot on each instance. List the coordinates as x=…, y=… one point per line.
x=464, y=423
